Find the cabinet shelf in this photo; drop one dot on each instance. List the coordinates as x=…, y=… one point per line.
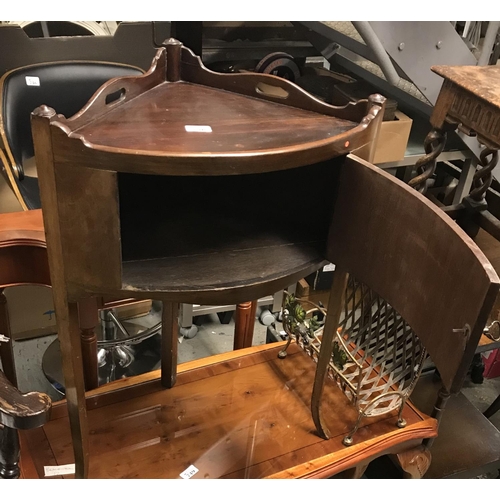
x=221, y=274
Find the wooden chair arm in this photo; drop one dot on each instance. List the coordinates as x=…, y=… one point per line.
x=22, y=411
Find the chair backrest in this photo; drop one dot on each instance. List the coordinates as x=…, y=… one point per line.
x=65, y=86
x=419, y=260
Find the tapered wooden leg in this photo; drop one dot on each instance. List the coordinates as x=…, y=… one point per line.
x=71, y=354
x=331, y=324
x=244, y=323
x=169, y=341
x=414, y=462
x=88, y=315
x=6, y=348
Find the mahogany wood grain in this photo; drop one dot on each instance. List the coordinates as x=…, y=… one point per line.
x=91, y=250
x=169, y=343
x=22, y=410
x=246, y=418
x=413, y=269
x=192, y=70
x=244, y=322
x=88, y=319
x=221, y=277
x=252, y=130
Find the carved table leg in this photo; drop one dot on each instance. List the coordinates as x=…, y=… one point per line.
x=169, y=341
x=88, y=315
x=6, y=348
x=325, y=354
x=9, y=453
x=426, y=165
x=244, y=323
x=414, y=462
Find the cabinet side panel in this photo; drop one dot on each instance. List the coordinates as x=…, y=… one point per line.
x=89, y=221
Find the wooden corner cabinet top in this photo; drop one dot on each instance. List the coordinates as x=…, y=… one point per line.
x=180, y=111
x=482, y=81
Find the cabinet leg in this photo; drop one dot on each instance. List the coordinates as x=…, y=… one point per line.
x=71, y=354
x=244, y=323
x=6, y=348
x=88, y=315
x=169, y=341
x=325, y=354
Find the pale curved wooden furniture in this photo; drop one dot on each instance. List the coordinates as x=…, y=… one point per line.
x=182, y=127
x=23, y=260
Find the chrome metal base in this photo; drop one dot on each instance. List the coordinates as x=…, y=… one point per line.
x=115, y=362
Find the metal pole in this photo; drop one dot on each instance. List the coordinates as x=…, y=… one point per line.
x=489, y=41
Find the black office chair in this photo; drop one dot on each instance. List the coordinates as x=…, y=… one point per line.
x=65, y=86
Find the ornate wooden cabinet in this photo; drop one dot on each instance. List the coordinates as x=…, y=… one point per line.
x=159, y=188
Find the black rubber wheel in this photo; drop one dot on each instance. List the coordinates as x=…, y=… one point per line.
x=279, y=64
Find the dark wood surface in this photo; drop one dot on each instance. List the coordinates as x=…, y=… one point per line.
x=249, y=125
x=22, y=411
x=467, y=444
x=244, y=416
x=217, y=277
x=244, y=321
x=240, y=125
x=424, y=265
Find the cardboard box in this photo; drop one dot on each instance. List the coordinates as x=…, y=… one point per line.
x=393, y=139
x=31, y=311
x=32, y=315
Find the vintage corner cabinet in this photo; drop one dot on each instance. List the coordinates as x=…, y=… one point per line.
x=186, y=185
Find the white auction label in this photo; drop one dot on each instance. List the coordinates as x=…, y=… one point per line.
x=329, y=267
x=189, y=472
x=33, y=81
x=198, y=128
x=59, y=470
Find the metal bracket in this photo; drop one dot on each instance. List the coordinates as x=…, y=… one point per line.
x=465, y=331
